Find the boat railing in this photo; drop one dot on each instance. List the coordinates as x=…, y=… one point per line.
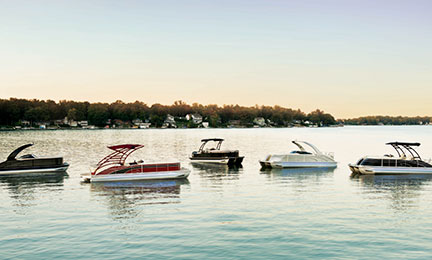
x=329, y=154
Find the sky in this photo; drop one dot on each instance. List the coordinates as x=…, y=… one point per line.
x=348, y=58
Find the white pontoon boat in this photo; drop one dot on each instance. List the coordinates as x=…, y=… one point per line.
x=300, y=158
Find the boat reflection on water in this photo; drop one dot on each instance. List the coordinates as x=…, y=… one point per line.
x=403, y=191
x=386, y=181
x=23, y=184
x=217, y=170
x=125, y=198
x=26, y=190
x=299, y=180
x=298, y=173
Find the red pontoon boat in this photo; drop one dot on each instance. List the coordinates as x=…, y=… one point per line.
x=114, y=167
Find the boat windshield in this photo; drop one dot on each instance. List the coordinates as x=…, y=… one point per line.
x=392, y=162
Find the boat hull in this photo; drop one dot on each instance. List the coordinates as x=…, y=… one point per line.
x=380, y=170
x=160, y=175
x=286, y=165
x=224, y=160
x=34, y=172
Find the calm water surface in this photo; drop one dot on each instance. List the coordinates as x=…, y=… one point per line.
x=218, y=213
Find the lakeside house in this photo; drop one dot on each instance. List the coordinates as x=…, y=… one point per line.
x=259, y=121
x=196, y=118
x=144, y=125
x=83, y=123
x=169, y=122
x=137, y=122
x=234, y=124
x=25, y=123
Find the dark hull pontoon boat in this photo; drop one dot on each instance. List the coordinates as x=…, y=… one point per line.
x=216, y=155
x=29, y=164
x=410, y=163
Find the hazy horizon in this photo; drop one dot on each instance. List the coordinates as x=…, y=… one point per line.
x=348, y=58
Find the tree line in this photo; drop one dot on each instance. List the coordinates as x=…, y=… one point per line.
x=13, y=111
x=387, y=120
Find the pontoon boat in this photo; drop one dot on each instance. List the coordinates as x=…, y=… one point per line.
x=300, y=158
x=114, y=167
x=407, y=162
x=215, y=154
x=29, y=164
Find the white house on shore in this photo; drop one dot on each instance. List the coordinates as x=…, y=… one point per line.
x=259, y=121
x=83, y=123
x=144, y=125
x=137, y=122
x=196, y=118
x=169, y=122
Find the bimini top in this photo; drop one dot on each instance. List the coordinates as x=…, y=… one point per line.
x=17, y=151
x=407, y=146
x=403, y=143
x=125, y=146
x=212, y=139
x=205, y=141
x=119, y=156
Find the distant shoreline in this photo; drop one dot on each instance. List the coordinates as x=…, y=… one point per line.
x=159, y=128
x=34, y=114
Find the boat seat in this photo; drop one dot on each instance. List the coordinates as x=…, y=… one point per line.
x=28, y=156
x=300, y=152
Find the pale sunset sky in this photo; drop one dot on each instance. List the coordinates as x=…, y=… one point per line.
x=348, y=58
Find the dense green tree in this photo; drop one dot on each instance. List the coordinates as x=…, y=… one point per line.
x=98, y=114
x=36, y=114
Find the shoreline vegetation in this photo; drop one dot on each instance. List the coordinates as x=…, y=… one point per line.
x=40, y=114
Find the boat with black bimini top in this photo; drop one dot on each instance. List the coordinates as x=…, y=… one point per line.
x=215, y=154
x=114, y=167
x=408, y=161
x=31, y=165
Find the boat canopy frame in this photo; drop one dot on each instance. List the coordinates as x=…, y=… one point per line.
x=316, y=150
x=407, y=146
x=205, y=141
x=12, y=156
x=118, y=156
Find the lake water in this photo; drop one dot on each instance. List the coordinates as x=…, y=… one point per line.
x=218, y=213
